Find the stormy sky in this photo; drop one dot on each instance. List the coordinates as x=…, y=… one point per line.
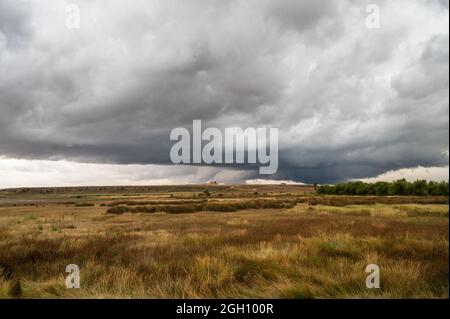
x=350, y=102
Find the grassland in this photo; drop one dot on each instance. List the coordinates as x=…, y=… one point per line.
x=217, y=241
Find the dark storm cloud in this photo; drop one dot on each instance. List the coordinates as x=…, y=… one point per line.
x=349, y=102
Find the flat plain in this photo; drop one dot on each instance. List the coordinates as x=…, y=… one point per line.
x=220, y=241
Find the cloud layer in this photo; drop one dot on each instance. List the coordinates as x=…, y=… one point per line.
x=349, y=101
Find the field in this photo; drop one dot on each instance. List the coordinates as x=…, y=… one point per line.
x=217, y=241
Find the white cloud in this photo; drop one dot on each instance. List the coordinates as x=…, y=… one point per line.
x=44, y=173
x=258, y=181
x=412, y=174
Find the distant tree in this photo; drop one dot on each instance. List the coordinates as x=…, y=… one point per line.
x=380, y=188
x=399, y=187
x=443, y=188
x=419, y=188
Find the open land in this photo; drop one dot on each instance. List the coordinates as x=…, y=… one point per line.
x=220, y=241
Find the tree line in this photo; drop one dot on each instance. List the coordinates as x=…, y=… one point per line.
x=399, y=187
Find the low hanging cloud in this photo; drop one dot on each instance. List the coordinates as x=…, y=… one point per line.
x=349, y=102
x=45, y=173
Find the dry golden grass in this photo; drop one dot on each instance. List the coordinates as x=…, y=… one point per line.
x=306, y=251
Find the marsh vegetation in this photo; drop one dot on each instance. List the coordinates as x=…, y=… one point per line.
x=239, y=241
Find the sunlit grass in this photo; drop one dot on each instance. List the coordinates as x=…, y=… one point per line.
x=306, y=251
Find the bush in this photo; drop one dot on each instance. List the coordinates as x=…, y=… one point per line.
x=205, y=206
x=15, y=290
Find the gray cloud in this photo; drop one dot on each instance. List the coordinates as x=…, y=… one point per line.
x=14, y=22
x=349, y=102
